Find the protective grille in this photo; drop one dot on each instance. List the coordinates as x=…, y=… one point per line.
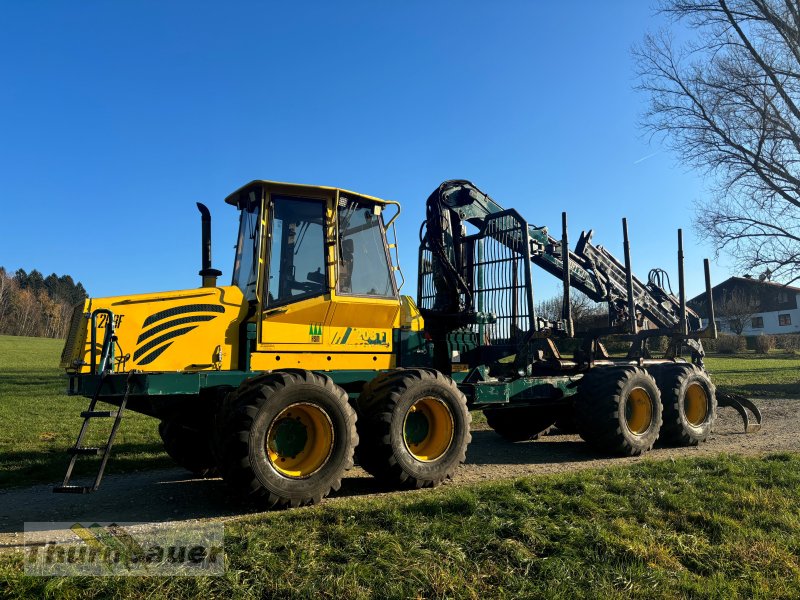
x=501, y=285
x=426, y=293
x=497, y=271
x=76, y=338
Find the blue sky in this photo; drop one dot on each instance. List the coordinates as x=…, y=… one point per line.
x=116, y=117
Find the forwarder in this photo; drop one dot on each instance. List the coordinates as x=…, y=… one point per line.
x=312, y=357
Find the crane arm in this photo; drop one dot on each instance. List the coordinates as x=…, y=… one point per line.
x=592, y=269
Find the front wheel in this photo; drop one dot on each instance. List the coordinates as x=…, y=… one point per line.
x=414, y=428
x=287, y=438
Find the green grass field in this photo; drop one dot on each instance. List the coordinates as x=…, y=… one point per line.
x=724, y=527
x=38, y=421
x=756, y=376
x=708, y=528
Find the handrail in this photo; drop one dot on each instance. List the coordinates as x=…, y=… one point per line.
x=107, y=351
x=386, y=226
x=397, y=214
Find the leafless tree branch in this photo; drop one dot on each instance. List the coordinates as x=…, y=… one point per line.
x=728, y=103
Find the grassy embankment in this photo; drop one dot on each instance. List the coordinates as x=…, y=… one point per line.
x=38, y=421
x=725, y=527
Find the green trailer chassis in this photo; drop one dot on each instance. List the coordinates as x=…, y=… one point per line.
x=155, y=393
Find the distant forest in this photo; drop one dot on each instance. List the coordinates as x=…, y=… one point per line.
x=37, y=306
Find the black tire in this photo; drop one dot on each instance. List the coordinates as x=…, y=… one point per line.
x=438, y=432
x=690, y=404
x=520, y=424
x=372, y=389
x=189, y=444
x=618, y=410
x=285, y=412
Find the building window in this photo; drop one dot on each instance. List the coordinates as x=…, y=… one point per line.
x=757, y=323
x=784, y=320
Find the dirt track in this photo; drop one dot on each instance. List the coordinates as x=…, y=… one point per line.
x=169, y=495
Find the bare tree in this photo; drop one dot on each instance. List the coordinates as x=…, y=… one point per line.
x=737, y=309
x=586, y=314
x=6, y=285
x=31, y=305
x=26, y=313
x=728, y=102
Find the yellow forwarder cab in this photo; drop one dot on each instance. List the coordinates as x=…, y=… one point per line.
x=251, y=380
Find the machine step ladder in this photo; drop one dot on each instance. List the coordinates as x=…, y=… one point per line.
x=104, y=452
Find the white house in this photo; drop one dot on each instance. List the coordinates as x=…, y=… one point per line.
x=753, y=306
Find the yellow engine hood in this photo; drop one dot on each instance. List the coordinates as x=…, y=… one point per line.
x=185, y=330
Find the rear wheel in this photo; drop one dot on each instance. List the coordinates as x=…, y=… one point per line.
x=414, y=428
x=618, y=410
x=189, y=444
x=690, y=404
x=287, y=438
x=520, y=424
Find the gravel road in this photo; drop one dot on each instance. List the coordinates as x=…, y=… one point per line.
x=171, y=495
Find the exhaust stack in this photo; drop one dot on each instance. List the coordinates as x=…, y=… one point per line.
x=208, y=273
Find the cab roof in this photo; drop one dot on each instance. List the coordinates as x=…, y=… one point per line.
x=300, y=187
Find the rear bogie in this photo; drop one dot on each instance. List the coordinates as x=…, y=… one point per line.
x=618, y=409
x=690, y=403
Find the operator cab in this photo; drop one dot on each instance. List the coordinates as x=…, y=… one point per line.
x=287, y=233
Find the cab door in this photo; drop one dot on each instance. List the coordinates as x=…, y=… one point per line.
x=329, y=302
x=296, y=294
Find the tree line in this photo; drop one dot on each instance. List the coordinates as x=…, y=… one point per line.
x=37, y=306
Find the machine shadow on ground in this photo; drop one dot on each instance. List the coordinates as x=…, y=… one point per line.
x=173, y=494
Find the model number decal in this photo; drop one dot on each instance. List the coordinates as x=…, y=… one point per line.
x=102, y=320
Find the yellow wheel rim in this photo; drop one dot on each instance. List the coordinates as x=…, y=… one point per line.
x=428, y=429
x=695, y=404
x=638, y=411
x=300, y=440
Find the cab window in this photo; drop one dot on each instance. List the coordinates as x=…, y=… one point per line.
x=297, y=250
x=248, y=246
x=364, y=268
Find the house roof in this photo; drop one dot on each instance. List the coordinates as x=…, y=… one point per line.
x=747, y=281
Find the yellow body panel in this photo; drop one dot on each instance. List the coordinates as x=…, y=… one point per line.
x=410, y=317
x=328, y=333
x=295, y=324
x=330, y=324
x=185, y=330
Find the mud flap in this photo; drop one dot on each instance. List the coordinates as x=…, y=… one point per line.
x=741, y=405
